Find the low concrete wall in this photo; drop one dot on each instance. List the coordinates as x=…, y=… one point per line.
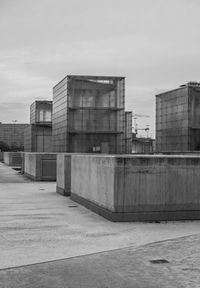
x=138, y=188
x=63, y=181
x=1, y=156
x=12, y=159
x=23, y=159
x=40, y=166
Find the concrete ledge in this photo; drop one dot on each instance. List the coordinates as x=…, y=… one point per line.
x=137, y=216
x=138, y=188
x=1, y=156
x=62, y=191
x=38, y=178
x=40, y=166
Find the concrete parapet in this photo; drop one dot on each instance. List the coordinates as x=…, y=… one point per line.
x=12, y=159
x=23, y=160
x=63, y=181
x=139, y=187
x=1, y=156
x=40, y=166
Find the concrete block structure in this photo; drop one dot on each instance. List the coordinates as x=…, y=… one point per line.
x=138, y=188
x=40, y=166
x=178, y=119
x=12, y=134
x=63, y=179
x=12, y=159
x=38, y=135
x=89, y=116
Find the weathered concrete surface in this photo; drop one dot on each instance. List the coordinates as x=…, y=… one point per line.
x=1, y=156
x=12, y=158
x=63, y=174
x=40, y=166
x=138, y=188
x=93, y=178
x=126, y=267
x=9, y=175
x=38, y=225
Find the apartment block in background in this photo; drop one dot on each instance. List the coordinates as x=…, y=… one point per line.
x=12, y=134
x=38, y=135
x=178, y=119
x=89, y=115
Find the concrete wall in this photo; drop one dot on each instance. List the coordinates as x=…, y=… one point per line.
x=92, y=178
x=138, y=188
x=1, y=156
x=12, y=158
x=40, y=166
x=63, y=179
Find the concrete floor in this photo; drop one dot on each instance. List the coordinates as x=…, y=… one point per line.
x=37, y=225
x=125, y=268
x=10, y=175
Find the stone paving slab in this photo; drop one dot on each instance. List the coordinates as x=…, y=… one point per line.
x=38, y=225
x=127, y=268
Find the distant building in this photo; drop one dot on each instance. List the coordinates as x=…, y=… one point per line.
x=128, y=132
x=142, y=145
x=38, y=135
x=12, y=134
x=178, y=119
x=89, y=115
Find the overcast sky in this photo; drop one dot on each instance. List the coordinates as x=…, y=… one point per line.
x=155, y=44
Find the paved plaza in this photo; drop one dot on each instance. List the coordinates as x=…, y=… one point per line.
x=47, y=240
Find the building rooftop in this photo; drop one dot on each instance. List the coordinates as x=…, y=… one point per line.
x=99, y=79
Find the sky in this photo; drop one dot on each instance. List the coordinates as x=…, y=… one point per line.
x=155, y=44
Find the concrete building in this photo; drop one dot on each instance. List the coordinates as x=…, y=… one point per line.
x=178, y=119
x=38, y=135
x=89, y=115
x=128, y=132
x=12, y=134
x=142, y=145
x=41, y=112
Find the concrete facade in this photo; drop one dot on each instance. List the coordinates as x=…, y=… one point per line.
x=12, y=159
x=40, y=166
x=38, y=135
x=178, y=119
x=41, y=112
x=38, y=138
x=89, y=116
x=13, y=134
x=138, y=188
